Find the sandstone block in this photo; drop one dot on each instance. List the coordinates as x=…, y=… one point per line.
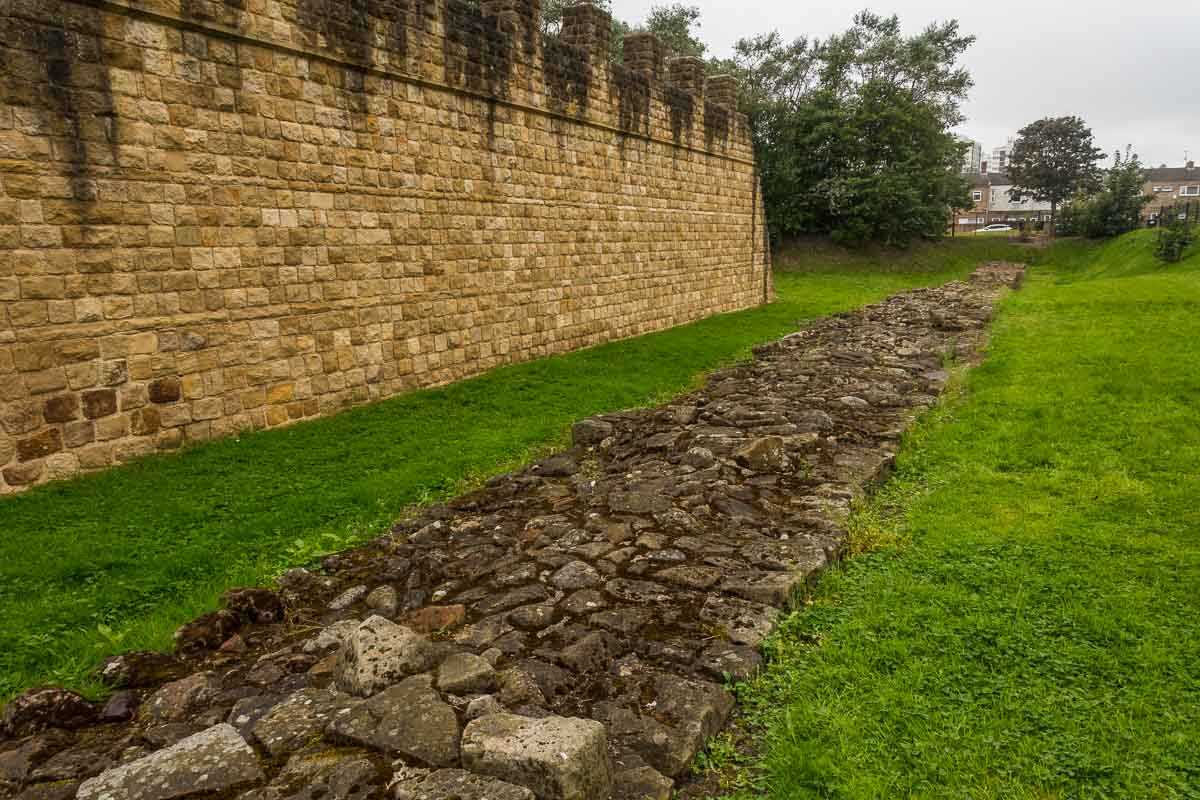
x=215, y=760
x=99, y=403
x=557, y=758
x=378, y=654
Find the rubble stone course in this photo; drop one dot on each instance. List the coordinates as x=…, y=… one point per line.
x=222, y=215
x=604, y=598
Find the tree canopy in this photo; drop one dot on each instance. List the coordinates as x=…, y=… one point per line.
x=852, y=133
x=1053, y=159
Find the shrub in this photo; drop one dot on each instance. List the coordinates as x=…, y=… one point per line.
x=1174, y=237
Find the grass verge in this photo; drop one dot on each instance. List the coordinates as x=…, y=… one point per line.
x=116, y=561
x=1023, y=623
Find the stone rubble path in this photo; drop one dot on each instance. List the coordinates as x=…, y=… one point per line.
x=565, y=633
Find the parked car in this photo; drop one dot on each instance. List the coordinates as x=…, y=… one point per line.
x=995, y=229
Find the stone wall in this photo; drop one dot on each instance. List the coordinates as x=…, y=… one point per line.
x=228, y=214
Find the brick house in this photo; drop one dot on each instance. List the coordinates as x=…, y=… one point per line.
x=1171, y=186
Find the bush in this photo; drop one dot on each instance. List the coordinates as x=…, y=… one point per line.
x=1112, y=211
x=1173, y=240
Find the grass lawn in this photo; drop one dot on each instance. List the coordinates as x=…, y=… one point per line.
x=1027, y=624
x=116, y=561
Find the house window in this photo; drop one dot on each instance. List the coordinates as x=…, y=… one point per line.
x=976, y=196
x=1189, y=191
x=1162, y=189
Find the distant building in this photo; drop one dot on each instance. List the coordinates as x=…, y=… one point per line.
x=973, y=158
x=998, y=163
x=1171, y=186
x=992, y=204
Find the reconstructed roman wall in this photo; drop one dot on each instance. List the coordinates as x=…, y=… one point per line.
x=228, y=214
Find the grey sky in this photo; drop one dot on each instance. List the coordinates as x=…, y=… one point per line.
x=1130, y=69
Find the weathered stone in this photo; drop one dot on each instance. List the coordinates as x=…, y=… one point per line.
x=723, y=661
x=215, y=760
x=120, y=706
x=642, y=783
x=457, y=784
x=333, y=774
x=562, y=465
x=532, y=617
x=482, y=706
x=431, y=619
x=261, y=606
x=39, y=709
x=765, y=454
x=180, y=699
x=558, y=758
x=637, y=591
x=576, y=575
x=408, y=719
x=18, y=763
x=332, y=636
x=99, y=403
x=207, y=632
x=462, y=673
x=378, y=654
x=165, y=390
x=384, y=601
x=589, y=432
x=348, y=598
x=299, y=719
x=691, y=577
x=593, y=652
x=141, y=669
x=585, y=601
x=638, y=502
x=247, y=711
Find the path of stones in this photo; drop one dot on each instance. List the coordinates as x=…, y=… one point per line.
x=565, y=632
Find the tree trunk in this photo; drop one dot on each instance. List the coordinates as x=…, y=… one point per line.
x=1053, y=217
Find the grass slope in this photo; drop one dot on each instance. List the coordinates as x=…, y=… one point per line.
x=117, y=560
x=1031, y=629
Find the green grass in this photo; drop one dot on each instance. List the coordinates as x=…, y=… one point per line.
x=1031, y=626
x=117, y=560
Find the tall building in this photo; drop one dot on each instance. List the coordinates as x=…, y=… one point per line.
x=1001, y=155
x=973, y=158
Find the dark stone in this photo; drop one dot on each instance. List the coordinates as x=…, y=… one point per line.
x=141, y=669
x=120, y=707
x=165, y=390
x=39, y=445
x=207, y=632
x=63, y=408
x=39, y=709
x=260, y=606
x=99, y=403
x=408, y=719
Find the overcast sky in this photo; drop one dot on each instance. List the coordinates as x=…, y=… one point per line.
x=1130, y=69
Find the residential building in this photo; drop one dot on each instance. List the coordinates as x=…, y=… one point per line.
x=998, y=163
x=1171, y=186
x=992, y=204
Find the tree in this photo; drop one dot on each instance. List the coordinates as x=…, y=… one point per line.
x=1053, y=159
x=673, y=26
x=852, y=134
x=1116, y=208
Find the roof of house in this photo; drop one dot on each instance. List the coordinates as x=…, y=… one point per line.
x=1173, y=174
x=979, y=179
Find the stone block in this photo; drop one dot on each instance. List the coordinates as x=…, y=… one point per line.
x=557, y=758
x=99, y=403
x=39, y=445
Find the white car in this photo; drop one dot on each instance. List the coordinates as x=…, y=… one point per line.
x=995, y=229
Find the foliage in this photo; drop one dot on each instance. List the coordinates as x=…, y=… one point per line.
x=1174, y=238
x=146, y=546
x=1113, y=210
x=852, y=133
x=1033, y=635
x=673, y=25
x=552, y=17
x=1052, y=160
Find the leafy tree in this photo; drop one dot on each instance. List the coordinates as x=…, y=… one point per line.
x=1054, y=159
x=852, y=133
x=673, y=25
x=1116, y=208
